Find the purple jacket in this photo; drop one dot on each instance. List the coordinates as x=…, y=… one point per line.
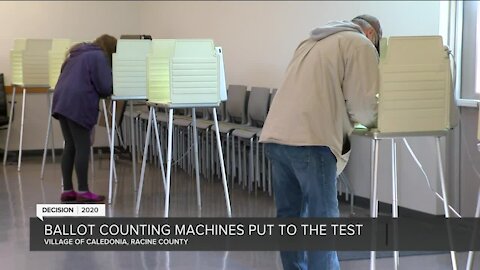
x=85, y=78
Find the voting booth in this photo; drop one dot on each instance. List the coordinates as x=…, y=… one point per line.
x=29, y=61
x=185, y=71
x=416, y=92
x=129, y=71
x=129, y=67
x=29, y=64
x=56, y=57
x=187, y=74
x=415, y=100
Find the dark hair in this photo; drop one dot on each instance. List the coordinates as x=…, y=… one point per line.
x=108, y=44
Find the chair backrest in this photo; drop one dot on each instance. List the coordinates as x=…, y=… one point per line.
x=202, y=113
x=183, y=112
x=3, y=98
x=258, y=105
x=220, y=112
x=236, y=106
x=136, y=37
x=119, y=112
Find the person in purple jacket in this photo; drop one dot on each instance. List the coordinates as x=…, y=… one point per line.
x=86, y=76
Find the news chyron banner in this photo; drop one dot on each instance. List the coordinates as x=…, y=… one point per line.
x=85, y=227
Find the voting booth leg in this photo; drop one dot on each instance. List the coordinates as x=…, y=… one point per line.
x=110, y=141
x=444, y=195
x=195, y=150
x=471, y=254
x=52, y=141
x=133, y=148
x=373, y=194
x=169, y=161
x=112, y=149
x=222, y=165
x=159, y=145
x=395, y=198
x=9, y=129
x=21, y=130
x=144, y=160
x=49, y=130
x=107, y=125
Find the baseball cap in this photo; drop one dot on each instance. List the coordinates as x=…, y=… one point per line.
x=374, y=22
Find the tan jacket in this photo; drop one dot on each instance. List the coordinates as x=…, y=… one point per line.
x=329, y=84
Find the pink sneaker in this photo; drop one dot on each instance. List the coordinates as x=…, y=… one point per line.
x=86, y=197
x=68, y=196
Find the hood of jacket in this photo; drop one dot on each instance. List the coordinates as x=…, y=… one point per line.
x=334, y=27
x=85, y=47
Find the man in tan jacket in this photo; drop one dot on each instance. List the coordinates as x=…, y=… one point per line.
x=330, y=84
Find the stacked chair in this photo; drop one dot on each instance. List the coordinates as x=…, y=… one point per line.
x=235, y=115
x=241, y=118
x=258, y=104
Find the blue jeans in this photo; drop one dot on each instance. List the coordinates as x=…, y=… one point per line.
x=305, y=185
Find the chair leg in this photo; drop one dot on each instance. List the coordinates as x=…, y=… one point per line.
x=205, y=153
x=180, y=151
x=239, y=163
x=244, y=166
x=212, y=167
x=233, y=163
x=251, y=175
x=228, y=153
x=152, y=144
x=137, y=138
x=264, y=171
x=188, y=151
x=257, y=163
x=201, y=149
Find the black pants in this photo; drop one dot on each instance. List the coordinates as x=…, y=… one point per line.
x=76, y=152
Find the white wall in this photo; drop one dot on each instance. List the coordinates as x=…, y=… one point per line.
x=259, y=37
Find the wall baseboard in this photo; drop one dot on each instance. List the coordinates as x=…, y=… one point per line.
x=385, y=209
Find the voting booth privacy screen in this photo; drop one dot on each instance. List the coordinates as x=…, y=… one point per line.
x=56, y=57
x=184, y=71
x=169, y=71
x=416, y=92
x=29, y=62
x=129, y=67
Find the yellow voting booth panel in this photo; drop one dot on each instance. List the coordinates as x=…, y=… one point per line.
x=56, y=57
x=29, y=62
x=416, y=91
x=183, y=71
x=129, y=67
